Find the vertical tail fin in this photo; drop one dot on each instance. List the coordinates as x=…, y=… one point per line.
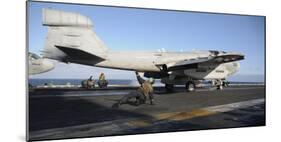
x=70, y=30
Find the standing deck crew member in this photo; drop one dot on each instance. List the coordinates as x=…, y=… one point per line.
x=102, y=82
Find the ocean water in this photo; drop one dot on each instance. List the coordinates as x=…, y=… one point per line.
x=36, y=82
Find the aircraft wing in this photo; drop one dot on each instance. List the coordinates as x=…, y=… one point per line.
x=193, y=63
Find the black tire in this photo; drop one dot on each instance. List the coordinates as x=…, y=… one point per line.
x=190, y=86
x=169, y=87
x=219, y=87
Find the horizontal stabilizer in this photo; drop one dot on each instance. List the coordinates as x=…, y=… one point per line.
x=75, y=54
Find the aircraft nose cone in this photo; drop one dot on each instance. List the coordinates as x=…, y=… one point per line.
x=48, y=65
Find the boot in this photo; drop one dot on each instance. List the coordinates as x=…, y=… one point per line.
x=152, y=102
x=137, y=102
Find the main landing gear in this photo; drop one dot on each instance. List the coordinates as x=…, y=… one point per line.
x=169, y=87
x=190, y=86
x=219, y=84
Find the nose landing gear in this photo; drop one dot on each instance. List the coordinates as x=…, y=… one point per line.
x=219, y=84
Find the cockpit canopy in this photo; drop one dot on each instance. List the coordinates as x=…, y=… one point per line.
x=215, y=52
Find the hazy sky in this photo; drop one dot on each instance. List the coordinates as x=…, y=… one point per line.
x=126, y=29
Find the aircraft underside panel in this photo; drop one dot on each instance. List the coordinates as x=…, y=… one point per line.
x=207, y=73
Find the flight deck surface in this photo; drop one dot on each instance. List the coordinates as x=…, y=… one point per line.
x=68, y=113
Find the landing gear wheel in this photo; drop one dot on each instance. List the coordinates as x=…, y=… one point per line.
x=190, y=86
x=169, y=87
x=220, y=84
x=219, y=87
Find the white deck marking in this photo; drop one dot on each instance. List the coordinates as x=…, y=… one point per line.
x=213, y=89
x=234, y=106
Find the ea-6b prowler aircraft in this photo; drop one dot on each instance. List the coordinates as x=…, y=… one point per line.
x=71, y=39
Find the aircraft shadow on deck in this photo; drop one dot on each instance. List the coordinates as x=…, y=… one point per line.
x=59, y=112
